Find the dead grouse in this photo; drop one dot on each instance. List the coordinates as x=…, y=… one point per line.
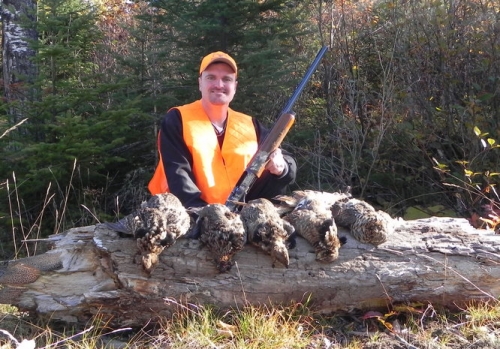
x=222, y=232
x=267, y=230
x=313, y=221
x=366, y=224
x=156, y=225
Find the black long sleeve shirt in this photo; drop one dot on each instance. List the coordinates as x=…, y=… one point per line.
x=178, y=164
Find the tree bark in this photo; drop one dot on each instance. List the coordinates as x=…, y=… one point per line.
x=19, y=70
x=91, y=270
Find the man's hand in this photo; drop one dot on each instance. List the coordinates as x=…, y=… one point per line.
x=276, y=163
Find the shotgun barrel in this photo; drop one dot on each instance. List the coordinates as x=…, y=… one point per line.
x=273, y=140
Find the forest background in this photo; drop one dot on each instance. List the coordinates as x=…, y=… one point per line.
x=404, y=107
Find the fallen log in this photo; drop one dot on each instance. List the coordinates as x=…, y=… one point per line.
x=91, y=270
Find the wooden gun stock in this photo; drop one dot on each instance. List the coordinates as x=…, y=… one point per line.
x=259, y=160
x=271, y=143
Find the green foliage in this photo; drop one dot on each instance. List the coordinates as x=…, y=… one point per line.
x=402, y=83
x=474, y=184
x=76, y=118
x=258, y=34
x=398, y=93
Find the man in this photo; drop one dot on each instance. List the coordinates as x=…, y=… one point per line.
x=205, y=146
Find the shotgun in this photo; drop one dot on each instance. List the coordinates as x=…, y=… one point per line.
x=273, y=140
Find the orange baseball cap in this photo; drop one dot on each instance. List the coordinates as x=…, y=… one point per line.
x=218, y=56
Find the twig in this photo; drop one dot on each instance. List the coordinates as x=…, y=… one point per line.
x=429, y=308
x=402, y=340
x=241, y=282
x=93, y=215
x=12, y=217
x=66, y=339
x=49, y=239
x=13, y=127
x=461, y=276
x=385, y=290
x=66, y=196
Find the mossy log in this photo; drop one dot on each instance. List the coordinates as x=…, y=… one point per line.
x=91, y=270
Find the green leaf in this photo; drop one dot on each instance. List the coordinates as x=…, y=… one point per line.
x=477, y=131
x=491, y=141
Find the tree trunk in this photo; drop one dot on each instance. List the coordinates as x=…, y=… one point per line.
x=91, y=270
x=19, y=70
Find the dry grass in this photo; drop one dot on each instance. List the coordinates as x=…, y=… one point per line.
x=408, y=326
x=251, y=327
x=277, y=327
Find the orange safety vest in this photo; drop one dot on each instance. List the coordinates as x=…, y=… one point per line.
x=216, y=171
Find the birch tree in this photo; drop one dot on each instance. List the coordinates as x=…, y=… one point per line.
x=19, y=71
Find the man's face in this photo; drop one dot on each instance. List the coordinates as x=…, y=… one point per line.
x=218, y=84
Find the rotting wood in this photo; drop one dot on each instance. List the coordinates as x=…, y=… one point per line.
x=443, y=261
